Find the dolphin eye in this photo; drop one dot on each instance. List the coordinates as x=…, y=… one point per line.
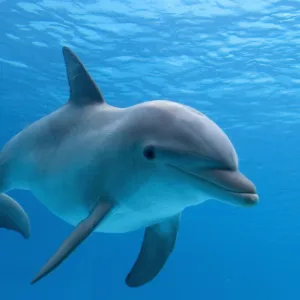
x=149, y=153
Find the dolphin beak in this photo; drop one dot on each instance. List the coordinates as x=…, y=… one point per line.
x=239, y=189
x=229, y=186
x=231, y=180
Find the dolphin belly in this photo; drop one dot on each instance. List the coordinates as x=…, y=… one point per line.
x=153, y=202
x=123, y=218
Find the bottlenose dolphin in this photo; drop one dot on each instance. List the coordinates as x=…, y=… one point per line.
x=108, y=169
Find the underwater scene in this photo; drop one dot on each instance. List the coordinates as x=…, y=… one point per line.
x=150, y=149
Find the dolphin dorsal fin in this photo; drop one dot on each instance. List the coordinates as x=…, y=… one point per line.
x=83, y=89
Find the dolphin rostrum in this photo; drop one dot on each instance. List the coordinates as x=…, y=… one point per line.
x=108, y=169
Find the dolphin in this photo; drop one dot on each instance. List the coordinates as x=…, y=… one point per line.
x=106, y=169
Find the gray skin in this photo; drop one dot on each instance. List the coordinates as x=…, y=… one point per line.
x=107, y=169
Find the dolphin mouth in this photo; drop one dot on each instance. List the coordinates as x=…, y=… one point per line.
x=231, y=184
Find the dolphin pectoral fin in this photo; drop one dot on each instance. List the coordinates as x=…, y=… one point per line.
x=159, y=241
x=80, y=233
x=13, y=216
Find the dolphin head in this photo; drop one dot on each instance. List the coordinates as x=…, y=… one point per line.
x=193, y=149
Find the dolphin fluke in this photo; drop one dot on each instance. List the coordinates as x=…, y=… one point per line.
x=13, y=216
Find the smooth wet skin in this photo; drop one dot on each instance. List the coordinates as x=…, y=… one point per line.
x=106, y=169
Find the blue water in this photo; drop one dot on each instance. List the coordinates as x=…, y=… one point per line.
x=236, y=61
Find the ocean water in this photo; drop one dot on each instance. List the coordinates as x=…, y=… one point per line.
x=236, y=61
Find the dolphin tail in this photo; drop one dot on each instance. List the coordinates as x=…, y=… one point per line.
x=12, y=215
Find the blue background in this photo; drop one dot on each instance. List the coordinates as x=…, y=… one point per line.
x=236, y=61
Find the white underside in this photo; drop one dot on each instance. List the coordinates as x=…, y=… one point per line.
x=153, y=203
